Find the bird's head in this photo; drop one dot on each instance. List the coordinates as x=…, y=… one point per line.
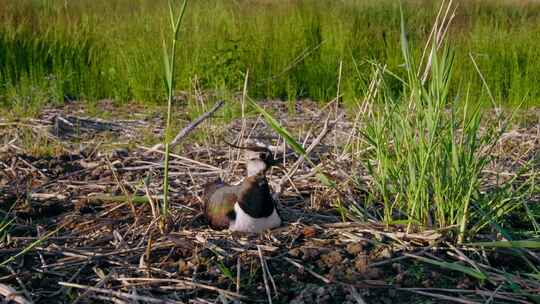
x=258, y=158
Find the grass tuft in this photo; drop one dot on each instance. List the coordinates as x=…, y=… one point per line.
x=428, y=150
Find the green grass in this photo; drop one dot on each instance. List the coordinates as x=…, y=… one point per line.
x=428, y=148
x=56, y=50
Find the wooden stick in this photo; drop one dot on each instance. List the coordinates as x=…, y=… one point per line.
x=184, y=283
x=11, y=294
x=443, y=297
x=187, y=159
x=185, y=131
x=266, y=286
x=119, y=294
x=302, y=159
x=313, y=273
x=238, y=273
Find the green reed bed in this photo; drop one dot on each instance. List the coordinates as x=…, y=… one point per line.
x=292, y=49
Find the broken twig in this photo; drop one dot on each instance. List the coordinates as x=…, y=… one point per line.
x=185, y=131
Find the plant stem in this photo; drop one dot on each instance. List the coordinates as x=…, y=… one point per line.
x=170, y=83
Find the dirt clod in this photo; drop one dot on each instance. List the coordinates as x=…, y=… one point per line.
x=354, y=248
x=331, y=259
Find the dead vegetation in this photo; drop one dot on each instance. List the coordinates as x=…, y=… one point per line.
x=81, y=225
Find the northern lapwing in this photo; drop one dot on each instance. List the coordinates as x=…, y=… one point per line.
x=249, y=206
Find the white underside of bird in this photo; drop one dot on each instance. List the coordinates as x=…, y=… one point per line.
x=245, y=223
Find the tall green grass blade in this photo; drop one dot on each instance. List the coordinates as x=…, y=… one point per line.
x=508, y=244
x=283, y=132
x=167, y=66
x=293, y=143
x=453, y=266
x=404, y=41
x=179, y=20
x=171, y=16
x=5, y=225
x=32, y=245
x=518, y=251
x=170, y=90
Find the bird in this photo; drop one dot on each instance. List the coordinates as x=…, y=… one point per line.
x=248, y=206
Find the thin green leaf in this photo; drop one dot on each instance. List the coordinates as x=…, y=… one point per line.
x=453, y=266
x=225, y=270
x=171, y=15
x=32, y=245
x=176, y=27
x=508, y=244
x=289, y=139
x=274, y=124
x=404, y=41
x=166, y=63
x=6, y=225
x=138, y=199
x=326, y=180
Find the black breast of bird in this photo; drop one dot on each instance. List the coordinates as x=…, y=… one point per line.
x=255, y=198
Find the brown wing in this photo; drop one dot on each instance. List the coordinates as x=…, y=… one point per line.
x=219, y=200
